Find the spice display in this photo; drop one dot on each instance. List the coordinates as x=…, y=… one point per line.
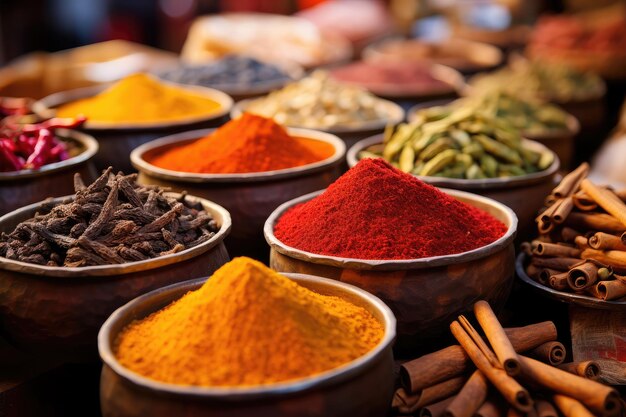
x=247, y=325
x=112, y=221
x=393, y=78
x=489, y=377
x=546, y=81
x=319, y=102
x=460, y=141
x=377, y=212
x=250, y=143
x=230, y=72
x=571, y=33
x=31, y=146
x=581, y=245
x=141, y=98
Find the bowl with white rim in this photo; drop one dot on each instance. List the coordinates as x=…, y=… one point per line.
x=249, y=197
x=425, y=294
x=118, y=139
x=362, y=387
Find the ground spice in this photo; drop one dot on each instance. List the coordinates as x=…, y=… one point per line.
x=140, y=98
x=247, y=325
x=250, y=143
x=375, y=211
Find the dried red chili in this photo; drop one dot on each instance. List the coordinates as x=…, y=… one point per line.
x=375, y=211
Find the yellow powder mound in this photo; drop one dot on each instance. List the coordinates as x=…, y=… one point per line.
x=247, y=325
x=140, y=98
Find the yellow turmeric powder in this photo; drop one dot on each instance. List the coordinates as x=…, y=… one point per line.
x=247, y=325
x=140, y=98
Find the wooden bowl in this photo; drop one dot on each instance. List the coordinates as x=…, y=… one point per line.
x=349, y=134
x=251, y=197
x=363, y=387
x=20, y=188
x=523, y=194
x=117, y=140
x=426, y=294
x=57, y=311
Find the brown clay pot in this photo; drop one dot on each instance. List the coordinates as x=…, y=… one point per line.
x=250, y=197
x=57, y=311
x=426, y=294
x=21, y=188
x=363, y=387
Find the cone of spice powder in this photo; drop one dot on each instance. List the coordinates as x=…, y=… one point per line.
x=377, y=212
x=250, y=143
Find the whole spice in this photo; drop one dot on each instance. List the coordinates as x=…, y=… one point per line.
x=459, y=141
x=114, y=220
x=319, y=102
x=141, y=98
x=247, y=325
x=248, y=144
x=377, y=212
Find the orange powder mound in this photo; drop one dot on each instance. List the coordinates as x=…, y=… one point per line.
x=250, y=143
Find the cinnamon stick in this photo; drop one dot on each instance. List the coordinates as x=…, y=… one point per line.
x=498, y=339
x=560, y=264
x=545, y=409
x=550, y=352
x=470, y=398
x=597, y=221
x=452, y=361
x=533, y=272
x=545, y=274
x=606, y=199
x=510, y=389
x=552, y=249
x=570, y=407
x=568, y=234
x=559, y=281
x=613, y=258
x=586, y=369
x=599, y=398
x=611, y=290
x=582, y=276
x=605, y=241
x=563, y=210
x=490, y=408
x=583, y=202
x=406, y=402
x=581, y=242
x=548, y=214
x=570, y=183
x=436, y=409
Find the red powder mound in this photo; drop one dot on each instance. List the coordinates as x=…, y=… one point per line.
x=375, y=211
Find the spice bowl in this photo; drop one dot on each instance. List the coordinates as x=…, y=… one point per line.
x=426, y=294
x=19, y=188
x=249, y=197
x=363, y=387
x=349, y=134
x=57, y=311
x=117, y=140
x=523, y=194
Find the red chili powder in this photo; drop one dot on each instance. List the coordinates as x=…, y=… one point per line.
x=375, y=211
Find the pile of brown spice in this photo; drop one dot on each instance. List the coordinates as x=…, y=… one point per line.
x=112, y=221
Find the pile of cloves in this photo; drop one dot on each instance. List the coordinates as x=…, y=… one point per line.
x=112, y=221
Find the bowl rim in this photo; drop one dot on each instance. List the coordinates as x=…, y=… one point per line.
x=467, y=184
x=143, y=166
x=394, y=264
x=114, y=270
x=395, y=114
x=341, y=373
x=89, y=143
x=45, y=107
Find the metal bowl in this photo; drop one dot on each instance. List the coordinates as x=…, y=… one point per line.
x=117, y=140
x=363, y=387
x=523, y=194
x=349, y=134
x=57, y=311
x=249, y=197
x=20, y=188
x=562, y=296
x=426, y=294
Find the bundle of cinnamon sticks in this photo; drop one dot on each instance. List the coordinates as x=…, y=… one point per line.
x=491, y=378
x=581, y=245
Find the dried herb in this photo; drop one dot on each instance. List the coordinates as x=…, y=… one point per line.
x=112, y=221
